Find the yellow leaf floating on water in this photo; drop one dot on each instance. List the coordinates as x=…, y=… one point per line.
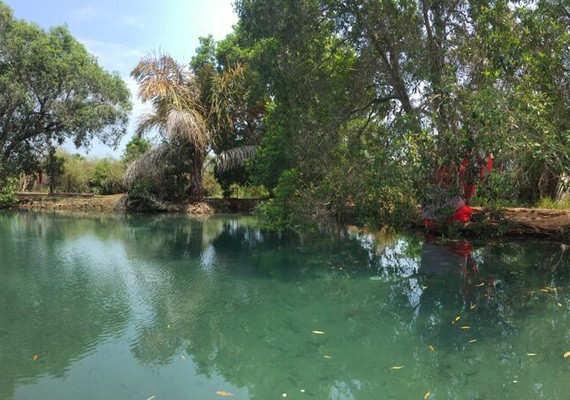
x=544, y=290
x=531, y=354
x=472, y=340
x=329, y=357
x=456, y=319
x=472, y=307
x=465, y=327
x=567, y=354
x=427, y=395
x=318, y=332
x=559, y=304
x=223, y=393
x=396, y=367
x=35, y=357
x=431, y=347
x=481, y=284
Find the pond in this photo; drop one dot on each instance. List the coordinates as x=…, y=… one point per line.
x=168, y=307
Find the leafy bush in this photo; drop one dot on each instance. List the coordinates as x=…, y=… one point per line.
x=8, y=192
x=107, y=177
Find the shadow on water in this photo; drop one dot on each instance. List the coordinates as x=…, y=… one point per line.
x=244, y=305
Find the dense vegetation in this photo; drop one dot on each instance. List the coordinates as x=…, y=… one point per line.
x=51, y=90
x=368, y=99
x=343, y=109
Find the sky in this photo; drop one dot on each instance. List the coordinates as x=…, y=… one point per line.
x=120, y=32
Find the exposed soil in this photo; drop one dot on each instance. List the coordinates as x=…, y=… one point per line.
x=508, y=221
x=519, y=222
x=78, y=202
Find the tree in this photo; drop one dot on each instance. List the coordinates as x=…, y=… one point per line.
x=136, y=147
x=52, y=89
x=370, y=99
x=195, y=112
x=177, y=112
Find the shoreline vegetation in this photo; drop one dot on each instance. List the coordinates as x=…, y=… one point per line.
x=515, y=222
x=373, y=113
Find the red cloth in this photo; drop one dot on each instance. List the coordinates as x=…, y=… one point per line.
x=462, y=214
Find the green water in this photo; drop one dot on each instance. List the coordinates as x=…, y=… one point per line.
x=131, y=308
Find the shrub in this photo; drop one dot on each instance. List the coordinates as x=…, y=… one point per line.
x=8, y=192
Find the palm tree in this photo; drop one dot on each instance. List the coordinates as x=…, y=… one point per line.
x=174, y=95
x=193, y=118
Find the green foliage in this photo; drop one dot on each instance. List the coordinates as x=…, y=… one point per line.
x=51, y=90
x=76, y=172
x=547, y=202
x=8, y=192
x=285, y=209
x=106, y=177
x=73, y=173
x=135, y=148
x=370, y=99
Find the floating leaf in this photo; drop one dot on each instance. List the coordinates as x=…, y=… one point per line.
x=182, y=357
x=456, y=319
x=223, y=393
x=544, y=290
x=397, y=367
x=427, y=395
x=472, y=307
x=375, y=278
x=531, y=354
x=424, y=287
x=329, y=357
x=472, y=340
x=465, y=327
x=481, y=284
x=35, y=357
x=318, y=332
x=431, y=347
x=151, y=397
x=567, y=354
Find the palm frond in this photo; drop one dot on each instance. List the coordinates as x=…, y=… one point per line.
x=227, y=87
x=235, y=158
x=149, y=121
x=190, y=125
x=152, y=164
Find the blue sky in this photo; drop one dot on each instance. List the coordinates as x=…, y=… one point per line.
x=120, y=32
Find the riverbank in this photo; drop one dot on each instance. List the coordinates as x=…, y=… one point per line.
x=514, y=222
x=113, y=203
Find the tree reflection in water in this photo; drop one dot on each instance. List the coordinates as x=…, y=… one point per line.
x=243, y=304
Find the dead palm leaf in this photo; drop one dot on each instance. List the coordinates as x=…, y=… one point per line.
x=235, y=158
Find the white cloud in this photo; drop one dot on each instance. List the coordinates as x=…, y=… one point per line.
x=87, y=13
x=134, y=21
x=113, y=56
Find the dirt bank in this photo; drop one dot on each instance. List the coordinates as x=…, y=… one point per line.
x=532, y=222
x=524, y=222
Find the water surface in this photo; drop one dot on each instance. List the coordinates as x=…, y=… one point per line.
x=136, y=307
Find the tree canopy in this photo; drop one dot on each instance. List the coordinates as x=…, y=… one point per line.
x=370, y=99
x=52, y=89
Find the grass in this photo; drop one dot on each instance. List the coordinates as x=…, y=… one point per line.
x=547, y=202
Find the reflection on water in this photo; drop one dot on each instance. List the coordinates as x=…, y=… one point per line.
x=135, y=307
